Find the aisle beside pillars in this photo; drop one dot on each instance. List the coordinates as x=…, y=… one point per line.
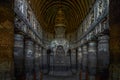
x=84, y=62
x=19, y=56
x=92, y=59
x=29, y=59
x=103, y=56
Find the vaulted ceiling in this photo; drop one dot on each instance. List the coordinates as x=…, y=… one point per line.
x=74, y=10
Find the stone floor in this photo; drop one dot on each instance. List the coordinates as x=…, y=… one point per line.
x=60, y=73
x=49, y=77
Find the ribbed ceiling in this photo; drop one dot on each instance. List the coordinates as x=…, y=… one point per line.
x=74, y=10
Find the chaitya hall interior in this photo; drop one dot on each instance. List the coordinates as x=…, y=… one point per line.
x=59, y=40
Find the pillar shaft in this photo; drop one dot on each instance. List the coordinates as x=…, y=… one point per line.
x=29, y=59
x=19, y=56
x=44, y=60
x=92, y=59
x=103, y=56
x=37, y=63
x=79, y=57
x=84, y=62
x=40, y=61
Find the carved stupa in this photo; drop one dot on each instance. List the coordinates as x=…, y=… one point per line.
x=60, y=24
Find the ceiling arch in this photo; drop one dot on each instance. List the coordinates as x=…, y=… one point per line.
x=74, y=10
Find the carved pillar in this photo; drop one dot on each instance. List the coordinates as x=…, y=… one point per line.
x=92, y=59
x=79, y=57
x=73, y=60
x=48, y=59
x=103, y=56
x=40, y=61
x=37, y=63
x=19, y=56
x=44, y=61
x=80, y=61
x=40, y=57
x=29, y=59
x=84, y=62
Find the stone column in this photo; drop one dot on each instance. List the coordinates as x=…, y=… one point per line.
x=40, y=61
x=37, y=63
x=40, y=57
x=48, y=59
x=45, y=69
x=92, y=60
x=103, y=56
x=84, y=62
x=79, y=61
x=73, y=60
x=29, y=59
x=79, y=57
x=19, y=56
x=44, y=61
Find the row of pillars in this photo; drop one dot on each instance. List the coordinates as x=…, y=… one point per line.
x=26, y=58
x=95, y=59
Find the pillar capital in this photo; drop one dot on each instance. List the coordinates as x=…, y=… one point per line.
x=103, y=37
x=36, y=46
x=80, y=49
x=28, y=38
x=18, y=36
x=92, y=44
x=93, y=38
x=104, y=32
x=84, y=43
x=19, y=32
x=84, y=48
